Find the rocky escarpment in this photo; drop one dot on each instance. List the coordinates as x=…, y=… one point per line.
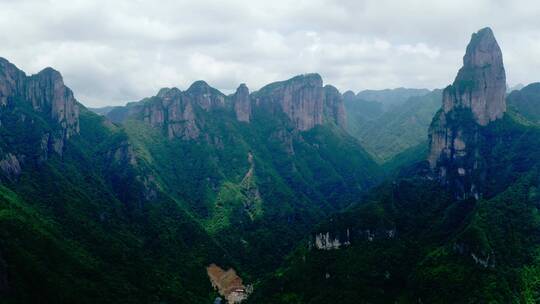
x=476, y=98
x=175, y=111
x=53, y=117
x=303, y=100
x=242, y=103
x=45, y=92
x=335, y=240
x=334, y=108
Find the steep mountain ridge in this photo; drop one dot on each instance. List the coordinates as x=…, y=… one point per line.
x=288, y=138
x=476, y=98
x=165, y=187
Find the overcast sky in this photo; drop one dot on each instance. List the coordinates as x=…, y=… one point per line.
x=113, y=53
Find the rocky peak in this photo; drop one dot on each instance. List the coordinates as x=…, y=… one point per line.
x=348, y=96
x=334, y=110
x=301, y=98
x=162, y=92
x=480, y=84
x=45, y=91
x=11, y=81
x=242, y=103
x=476, y=98
x=205, y=96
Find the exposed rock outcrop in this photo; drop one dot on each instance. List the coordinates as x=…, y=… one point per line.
x=44, y=93
x=476, y=98
x=10, y=165
x=303, y=100
x=47, y=93
x=334, y=108
x=205, y=96
x=175, y=111
x=242, y=103
x=324, y=241
x=480, y=84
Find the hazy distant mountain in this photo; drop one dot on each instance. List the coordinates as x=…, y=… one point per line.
x=516, y=87
x=386, y=133
x=526, y=101
x=102, y=110
x=390, y=97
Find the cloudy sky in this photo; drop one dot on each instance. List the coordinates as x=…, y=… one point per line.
x=111, y=52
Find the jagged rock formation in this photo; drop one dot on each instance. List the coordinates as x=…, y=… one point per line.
x=173, y=110
x=334, y=108
x=45, y=91
x=476, y=98
x=48, y=98
x=303, y=100
x=300, y=98
x=242, y=103
x=480, y=84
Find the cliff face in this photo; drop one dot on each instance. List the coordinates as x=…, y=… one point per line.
x=45, y=91
x=47, y=96
x=175, y=111
x=300, y=98
x=480, y=84
x=476, y=98
x=242, y=103
x=334, y=108
x=304, y=101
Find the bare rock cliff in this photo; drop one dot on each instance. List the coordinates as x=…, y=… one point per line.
x=476, y=98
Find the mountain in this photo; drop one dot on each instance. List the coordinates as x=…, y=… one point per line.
x=476, y=98
x=461, y=226
x=390, y=97
x=386, y=133
x=137, y=205
x=102, y=110
x=256, y=169
x=526, y=102
x=75, y=222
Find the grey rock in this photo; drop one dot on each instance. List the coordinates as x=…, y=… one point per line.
x=303, y=100
x=476, y=98
x=46, y=93
x=242, y=103
x=10, y=165
x=480, y=84
x=334, y=108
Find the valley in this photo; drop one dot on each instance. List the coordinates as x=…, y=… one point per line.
x=291, y=193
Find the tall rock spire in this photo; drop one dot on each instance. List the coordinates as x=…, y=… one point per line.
x=242, y=103
x=480, y=84
x=476, y=98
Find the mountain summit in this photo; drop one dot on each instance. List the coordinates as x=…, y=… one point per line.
x=476, y=98
x=480, y=84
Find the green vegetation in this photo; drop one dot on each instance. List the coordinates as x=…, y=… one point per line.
x=411, y=241
x=387, y=133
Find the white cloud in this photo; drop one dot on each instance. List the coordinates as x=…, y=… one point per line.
x=111, y=52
